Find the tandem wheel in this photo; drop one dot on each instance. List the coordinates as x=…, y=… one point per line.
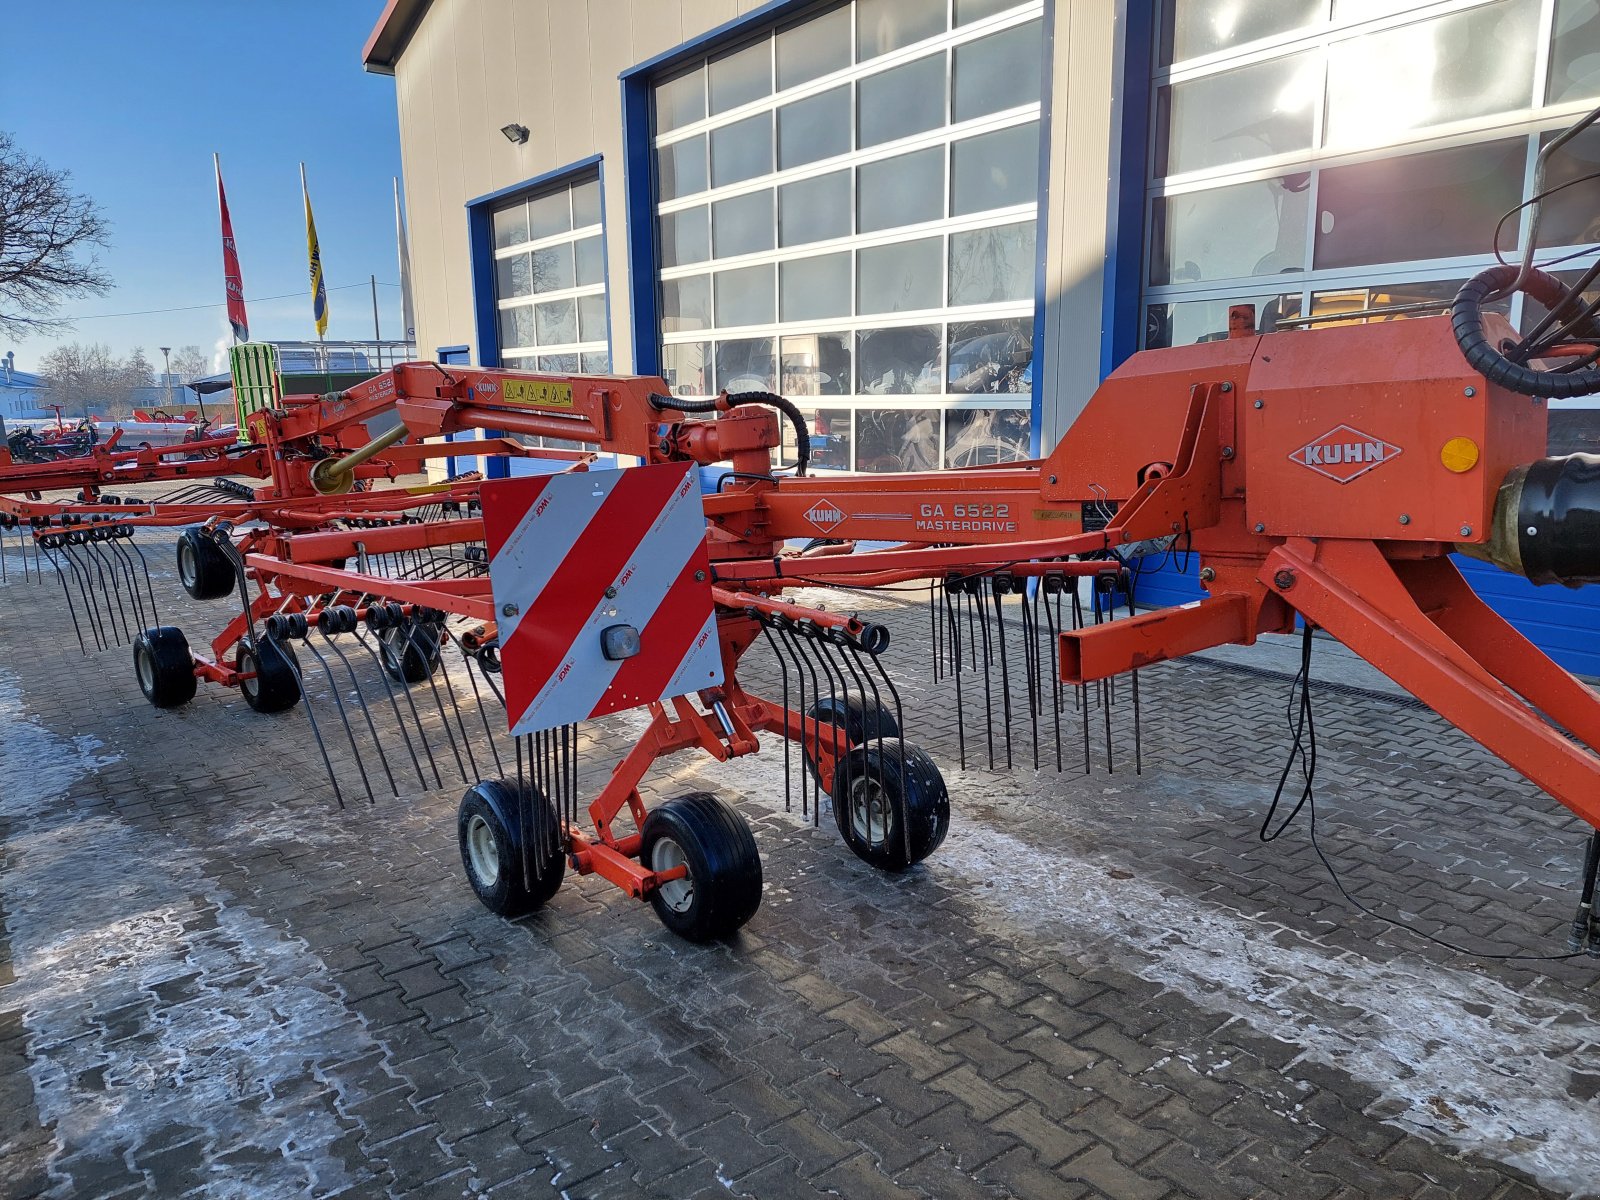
x=890, y=803
x=204, y=570
x=722, y=888
x=164, y=666
x=862, y=718
x=276, y=686
x=410, y=655
x=489, y=828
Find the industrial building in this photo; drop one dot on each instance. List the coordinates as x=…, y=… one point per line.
x=938, y=224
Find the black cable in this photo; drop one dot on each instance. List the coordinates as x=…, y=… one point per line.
x=802, y=437
x=1304, y=748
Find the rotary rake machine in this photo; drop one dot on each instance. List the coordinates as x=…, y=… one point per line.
x=1321, y=476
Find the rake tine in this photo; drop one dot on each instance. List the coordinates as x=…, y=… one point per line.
x=342, y=619
x=381, y=617
x=137, y=551
x=80, y=577
x=120, y=560
x=72, y=609
x=399, y=720
x=977, y=597
x=953, y=627
x=338, y=703
x=408, y=629
x=280, y=628
x=933, y=629
x=1029, y=602
x=783, y=667
x=103, y=587
x=811, y=635
x=441, y=633
x=477, y=698
x=1051, y=584
x=803, y=668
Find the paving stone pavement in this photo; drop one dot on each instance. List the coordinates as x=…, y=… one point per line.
x=215, y=982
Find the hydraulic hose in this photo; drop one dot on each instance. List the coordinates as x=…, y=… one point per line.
x=1466, y=318
x=730, y=400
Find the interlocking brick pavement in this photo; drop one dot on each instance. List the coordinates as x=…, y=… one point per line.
x=215, y=982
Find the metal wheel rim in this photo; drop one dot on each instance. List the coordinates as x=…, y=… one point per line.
x=187, y=566
x=676, y=894
x=145, y=668
x=869, y=811
x=247, y=662
x=482, y=850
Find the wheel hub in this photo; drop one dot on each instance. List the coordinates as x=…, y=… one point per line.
x=676, y=894
x=869, y=811
x=483, y=850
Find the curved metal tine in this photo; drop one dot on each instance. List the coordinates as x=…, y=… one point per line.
x=316, y=730
x=408, y=630
x=1029, y=601
x=953, y=629
x=933, y=629
x=361, y=699
x=105, y=577
x=1005, y=661
x=900, y=721
x=80, y=577
x=1051, y=613
x=123, y=557
x=847, y=655
x=338, y=703
x=400, y=721
x=132, y=550
x=977, y=583
x=455, y=707
x=783, y=667
x=835, y=680
x=802, y=668
x=522, y=790
x=72, y=609
x=850, y=656
x=967, y=584
x=483, y=713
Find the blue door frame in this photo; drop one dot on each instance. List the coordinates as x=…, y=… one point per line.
x=459, y=356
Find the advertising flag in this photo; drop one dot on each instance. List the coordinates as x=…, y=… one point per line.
x=232, y=281
x=408, y=315
x=319, y=292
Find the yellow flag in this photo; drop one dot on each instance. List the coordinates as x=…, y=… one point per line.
x=319, y=291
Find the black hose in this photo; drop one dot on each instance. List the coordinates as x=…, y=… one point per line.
x=1466, y=318
x=802, y=438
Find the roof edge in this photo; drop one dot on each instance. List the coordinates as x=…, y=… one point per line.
x=394, y=27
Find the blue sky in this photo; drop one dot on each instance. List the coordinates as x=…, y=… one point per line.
x=132, y=98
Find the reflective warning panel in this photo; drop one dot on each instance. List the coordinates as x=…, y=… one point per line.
x=602, y=591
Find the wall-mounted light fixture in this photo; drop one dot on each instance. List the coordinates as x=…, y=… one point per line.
x=515, y=134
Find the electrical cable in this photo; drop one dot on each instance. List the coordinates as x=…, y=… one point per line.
x=146, y=312
x=1304, y=750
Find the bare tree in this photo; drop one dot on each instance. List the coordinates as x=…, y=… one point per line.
x=189, y=363
x=90, y=380
x=45, y=231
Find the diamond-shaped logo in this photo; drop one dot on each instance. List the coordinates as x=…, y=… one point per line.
x=1344, y=453
x=825, y=515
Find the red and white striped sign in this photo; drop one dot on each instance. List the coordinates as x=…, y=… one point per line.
x=576, y=554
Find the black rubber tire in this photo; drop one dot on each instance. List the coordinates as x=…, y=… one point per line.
x=204, y=570
x=409, y=654
x=870, y=798
x=164, y=666
x=488, y=831
x=863, y=719
x=724, y=880
x=276, y=686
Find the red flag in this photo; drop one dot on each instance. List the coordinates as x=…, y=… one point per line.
x=231, y=278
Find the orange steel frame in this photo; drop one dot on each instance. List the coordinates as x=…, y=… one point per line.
x=1195, y=443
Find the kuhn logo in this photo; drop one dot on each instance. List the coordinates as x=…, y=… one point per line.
x=487, y=387
x=825, y=515
x=1344, y=453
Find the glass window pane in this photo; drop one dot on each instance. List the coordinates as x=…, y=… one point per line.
x=998, y=72
x=830, y=437
x=1392, y=295
x=681, y=101
x=513, y=277
x=900, y=102
x=515, y=364
x=1433, y=205
x=968, y=11
x=812, y=288
x=549, y=215
x=516, y=326
x=557, y=322
x=899, y=362
x=901, y=190
x=996, y=169
x=686, y=303
x=586, y=204
x=1575, y=53
x=1268, y=108
x=743, y=224
x=1468, y=64
x=741, y=150
x=1195, y=27
x=900, y=278
x=812, y=210
x=552, y=268
x=1207, y=320
x=814, y=47
x=686, y=366
x=991, y=265
x=885, y=25
x=591, y=256
x=985, y=437
x=991, y=357
x=595, y=362
x=816, y=364
x=1248, y=229
x=897, y=439
x=813, y=128
x=1568, y=218
x=591, y=318
x=510, y=226
x=559, y=364
x=746, y=296
x=747, y=365
x=685, y=237
x=681, y=168
x=741, y=77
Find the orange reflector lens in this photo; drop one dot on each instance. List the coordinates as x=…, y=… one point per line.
x=1460, y=454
